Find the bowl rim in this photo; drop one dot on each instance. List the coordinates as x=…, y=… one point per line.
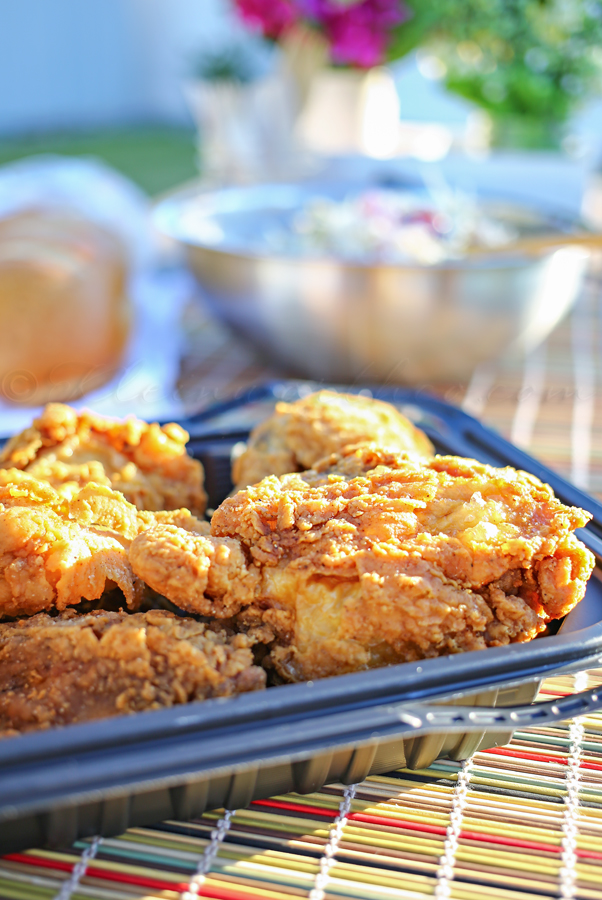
x=208, y=200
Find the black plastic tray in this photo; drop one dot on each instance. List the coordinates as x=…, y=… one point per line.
x=102, y=777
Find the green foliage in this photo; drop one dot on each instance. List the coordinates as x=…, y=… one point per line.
x=240, y=61
x=530, y=58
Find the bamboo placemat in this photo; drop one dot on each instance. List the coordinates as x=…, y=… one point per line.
x=523, y=821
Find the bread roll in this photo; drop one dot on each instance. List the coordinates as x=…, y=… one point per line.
x=64, y=314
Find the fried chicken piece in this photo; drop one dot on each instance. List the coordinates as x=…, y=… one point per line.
x=99, y=506
x=48, y=559
x=205, y=575
x=147, y=463
x=57, y=671
x=56, y=552
x=373, y=558
x=299, y=434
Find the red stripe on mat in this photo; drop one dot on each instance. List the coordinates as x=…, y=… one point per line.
x=540, y=757
x=93, y=872
x=526, y=845
x=423, y=828
x=217, y=893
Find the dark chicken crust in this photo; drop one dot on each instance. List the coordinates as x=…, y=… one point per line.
x=70, y=668
x=374, y=558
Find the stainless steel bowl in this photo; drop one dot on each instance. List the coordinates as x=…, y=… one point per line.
x=333, y=320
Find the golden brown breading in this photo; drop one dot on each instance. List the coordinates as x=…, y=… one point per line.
x=57, y=671
x=299, y=434
x=102, y=507
x=48, y=559
x=374, y=558
x=147, y=463
x=207, y=575
x=56, y=552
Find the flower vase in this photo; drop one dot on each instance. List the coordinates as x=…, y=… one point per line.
x=351, y=111
x=304, y=55
x=340, y=110
x=246, y=130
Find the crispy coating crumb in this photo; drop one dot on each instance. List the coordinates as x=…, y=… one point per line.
x=147, y=463
x=298, y=434
x=56, y=552
x=373, y=558
x=49, y=560
x=97, y=505
x=57, y=671
x=208, y=575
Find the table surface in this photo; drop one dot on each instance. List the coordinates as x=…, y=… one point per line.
x=524, y=821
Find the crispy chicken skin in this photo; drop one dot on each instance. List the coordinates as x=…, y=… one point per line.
x=299, y=434
x=70, y=668
x=147, y=463
x=374, y=558
x=55, y=552
x=205, y=575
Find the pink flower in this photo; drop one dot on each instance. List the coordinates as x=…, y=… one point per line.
x=357, y=38
x=271, y=17
x=358, y=33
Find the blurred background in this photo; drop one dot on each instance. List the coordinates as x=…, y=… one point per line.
x=441, y=217
x=73, y=76
x=110, y=77
x=105, y=78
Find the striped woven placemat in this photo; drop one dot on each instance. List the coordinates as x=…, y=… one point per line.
x=519, y=822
